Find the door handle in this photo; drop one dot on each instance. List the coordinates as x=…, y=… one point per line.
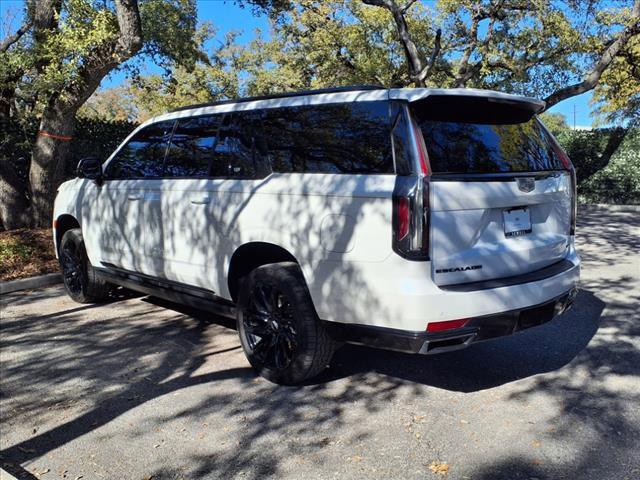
x=200, y=201
x=133, y=198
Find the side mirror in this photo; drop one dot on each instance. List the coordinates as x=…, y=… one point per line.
x=90, y=168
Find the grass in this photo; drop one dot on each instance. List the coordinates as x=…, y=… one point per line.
x=26, y=253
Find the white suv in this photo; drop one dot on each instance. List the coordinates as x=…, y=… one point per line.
x=417, y=220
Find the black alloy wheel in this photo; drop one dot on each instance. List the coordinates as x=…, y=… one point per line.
x=269, y=327
x=80, y=279
x=279, y=329
x=73, y=268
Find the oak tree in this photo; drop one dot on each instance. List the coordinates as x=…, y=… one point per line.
x=54, y=62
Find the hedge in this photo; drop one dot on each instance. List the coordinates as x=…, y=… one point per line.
x=95, y=138
x=92, y=138
x=605, y=176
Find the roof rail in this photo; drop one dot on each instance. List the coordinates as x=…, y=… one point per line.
x=351, y=88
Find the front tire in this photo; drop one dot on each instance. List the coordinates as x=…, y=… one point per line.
x=279, y=329
x=79, y=277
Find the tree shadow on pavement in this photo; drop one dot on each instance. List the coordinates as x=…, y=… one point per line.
x=607, y=242
x=79, y=358
x=99, y=369
x=597, y=396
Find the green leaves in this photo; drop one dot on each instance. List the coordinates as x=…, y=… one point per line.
x=83, y=41
x=555, y=122
x=607, y=162
x=617, y=96
x=168, y=28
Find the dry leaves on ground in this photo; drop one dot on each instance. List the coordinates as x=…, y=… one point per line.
x=26, y=253
x=439, y=467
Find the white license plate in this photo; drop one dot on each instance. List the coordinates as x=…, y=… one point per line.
x=517, y=222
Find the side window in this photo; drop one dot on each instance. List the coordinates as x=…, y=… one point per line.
x=339, y=138
x=143, y=155
x=192, y=145
x=240, y=150
x=280, y=128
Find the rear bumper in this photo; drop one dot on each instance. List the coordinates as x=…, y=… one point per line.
x=401, y=294
x=479, y=328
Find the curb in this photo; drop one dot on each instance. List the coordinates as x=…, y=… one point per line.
x=610, y=208
x=28, y=283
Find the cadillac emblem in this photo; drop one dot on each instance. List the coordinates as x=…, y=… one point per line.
x=526, y=184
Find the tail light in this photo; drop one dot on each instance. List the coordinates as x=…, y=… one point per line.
x=411, y=207
x=411, y=217
x=403, y=217
x=447, y=325
x=568, y=166
x=574, y=201
x=420, y=147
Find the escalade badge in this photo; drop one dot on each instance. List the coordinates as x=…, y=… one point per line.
x=526, y=184
x=459, y=269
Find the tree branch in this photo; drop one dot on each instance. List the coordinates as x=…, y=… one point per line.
x=130, y=39
x=407, y=6
x=106, y=57
x=592, y=78
x=426, y=71
x=11, y=39
x=410, y=50
x=462, y=76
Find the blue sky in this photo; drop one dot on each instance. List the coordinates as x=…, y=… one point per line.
x=227, y=16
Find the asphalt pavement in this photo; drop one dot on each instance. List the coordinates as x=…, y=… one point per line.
x=143, y=389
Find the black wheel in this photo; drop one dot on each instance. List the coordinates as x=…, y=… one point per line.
x=279, y=329
x=79, y=277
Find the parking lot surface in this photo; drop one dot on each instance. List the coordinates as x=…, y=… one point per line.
x=140, y=388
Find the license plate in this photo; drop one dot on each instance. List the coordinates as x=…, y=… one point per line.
x=517, y=222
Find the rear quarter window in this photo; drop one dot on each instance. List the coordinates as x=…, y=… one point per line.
x=337, y=138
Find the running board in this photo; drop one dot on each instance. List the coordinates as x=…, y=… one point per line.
x=195, y=297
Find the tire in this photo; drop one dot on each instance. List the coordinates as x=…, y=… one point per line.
x=78, y=275
x=279, y=329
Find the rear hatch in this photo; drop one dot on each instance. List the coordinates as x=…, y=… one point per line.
x=500, y=192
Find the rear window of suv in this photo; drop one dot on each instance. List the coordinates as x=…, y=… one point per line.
x=480, y=148
x=485, y=143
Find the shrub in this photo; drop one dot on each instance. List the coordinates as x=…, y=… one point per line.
x=96, y=138
x=607, y=164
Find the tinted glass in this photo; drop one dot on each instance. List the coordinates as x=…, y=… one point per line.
x=192, y=145
x=455, y=147
x=338, y=138
x=401, y=142
x=143, y=155
x=237, y=153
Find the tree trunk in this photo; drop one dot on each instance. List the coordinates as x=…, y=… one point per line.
x=48, y=161
x=52, y=144
x=13, y=202
x=13, y=199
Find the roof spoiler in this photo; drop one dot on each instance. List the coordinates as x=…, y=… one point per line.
x=470, y=105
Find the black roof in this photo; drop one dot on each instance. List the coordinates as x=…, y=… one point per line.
x=352, y=88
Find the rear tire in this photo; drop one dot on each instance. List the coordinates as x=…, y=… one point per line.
x=279, y=329
x=79, y=277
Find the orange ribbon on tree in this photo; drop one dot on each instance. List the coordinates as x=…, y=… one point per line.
x=65, y=138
